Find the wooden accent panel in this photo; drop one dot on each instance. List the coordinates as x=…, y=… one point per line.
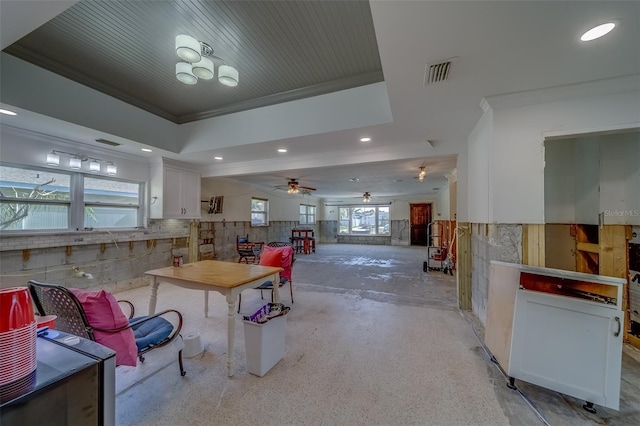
x=533, y=244
x=614, y=262
x=463, y=257
x=633, y=340
x=588, y=247
x=587, y=260
x=560, y=246
x=614, y=251
x=194, y=226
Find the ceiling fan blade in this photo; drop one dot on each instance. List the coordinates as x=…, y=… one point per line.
x=306, y=187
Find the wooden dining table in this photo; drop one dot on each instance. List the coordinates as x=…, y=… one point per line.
x=227, y=278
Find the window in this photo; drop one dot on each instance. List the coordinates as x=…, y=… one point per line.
x=41, y=199
x=34, y=199
x=364, y=220
x=259, y=212
x=110, y=204
x=307, y=214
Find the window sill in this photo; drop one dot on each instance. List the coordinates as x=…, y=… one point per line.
x=65, y=232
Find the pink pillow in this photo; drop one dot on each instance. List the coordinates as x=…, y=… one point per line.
x=103, y=311
x=278, y=256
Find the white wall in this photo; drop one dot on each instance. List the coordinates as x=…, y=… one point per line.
x=237, y=201
x=28, y=148
x=442, y=206
x=453, y=197
x=520, y=124
x=560, y=182
x=478, y=167
x=587, y=179
x=32, y=88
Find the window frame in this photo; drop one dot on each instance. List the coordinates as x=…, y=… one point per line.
x=307, y=213
x=76, y=204
x=138, y=206
x=260, y=212
x=351, y=209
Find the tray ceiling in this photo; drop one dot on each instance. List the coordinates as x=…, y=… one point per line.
x=283, y=51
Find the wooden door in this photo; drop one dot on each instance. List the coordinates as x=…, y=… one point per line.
x=420, y=217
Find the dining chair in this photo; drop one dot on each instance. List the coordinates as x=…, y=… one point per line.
x=248, y=251
x=96, y=315
x=284, y=259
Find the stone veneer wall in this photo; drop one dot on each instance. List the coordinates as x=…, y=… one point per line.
x=365, y=240
x=223, y=235
x=502, y=242
x=117, y=260
x=328, y=231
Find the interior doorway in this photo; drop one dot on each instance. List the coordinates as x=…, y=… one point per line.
x=420, y=217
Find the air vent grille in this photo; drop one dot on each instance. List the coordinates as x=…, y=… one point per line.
x=438, y=72
x=108, y=142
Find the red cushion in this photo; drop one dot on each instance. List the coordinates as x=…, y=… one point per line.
x=278, y=256
x=271, y=258
x=103, y=311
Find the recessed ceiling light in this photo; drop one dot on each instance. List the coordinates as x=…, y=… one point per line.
x=7, y=112
x=365, y=139
x=217, y=158
x=145, y=149
x=354, y=179
x=597, y=32
x=282, y=150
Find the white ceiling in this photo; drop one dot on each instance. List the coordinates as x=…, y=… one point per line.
x=501, y=47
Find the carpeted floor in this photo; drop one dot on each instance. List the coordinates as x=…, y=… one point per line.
x=370, y=340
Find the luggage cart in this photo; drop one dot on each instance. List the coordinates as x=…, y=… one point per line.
x=435, y=257
x=436, y=251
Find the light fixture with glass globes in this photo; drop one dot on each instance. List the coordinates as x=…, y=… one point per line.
x=76, y=160
x=293, y=188
x=198, y=63
x=422, y=174
x=366, y=197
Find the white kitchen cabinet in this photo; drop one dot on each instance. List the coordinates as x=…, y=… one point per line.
x=557, y=329
x=175, y=192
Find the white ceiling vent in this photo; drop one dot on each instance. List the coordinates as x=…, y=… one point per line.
x=108, y=142
x=438, y=72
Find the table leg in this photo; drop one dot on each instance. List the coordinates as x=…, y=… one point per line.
x=154, y=296
x=276, y=288
x=231, y=332
x=206, y=304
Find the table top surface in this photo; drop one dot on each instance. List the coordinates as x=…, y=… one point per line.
x=217, y=273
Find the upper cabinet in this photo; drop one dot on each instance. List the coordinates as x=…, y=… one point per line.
x=593, y=179
x=175, y=192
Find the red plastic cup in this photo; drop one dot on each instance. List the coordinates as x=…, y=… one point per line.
x=16, y=310
x=46, y=321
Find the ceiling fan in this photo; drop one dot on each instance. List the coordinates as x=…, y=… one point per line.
x=294, y=187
